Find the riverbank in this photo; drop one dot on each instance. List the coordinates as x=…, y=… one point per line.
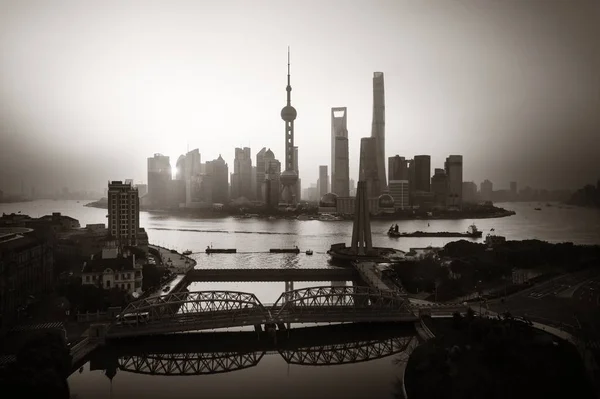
x=472, y=212
x=494, y=358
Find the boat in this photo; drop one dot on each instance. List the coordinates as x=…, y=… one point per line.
x=187, y=252
x=294, y=250
x=309, y=252
x=210, y=250
x=537, y=209
x=472, y=232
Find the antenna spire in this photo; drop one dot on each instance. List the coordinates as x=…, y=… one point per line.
x=288, y=61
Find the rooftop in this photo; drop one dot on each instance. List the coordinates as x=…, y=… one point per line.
x=99, y=265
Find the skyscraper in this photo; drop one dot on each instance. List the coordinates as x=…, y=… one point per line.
x=260, y=173
x=440, y=187
x=241, y=178
x=219, y=172
x=422, y=164
x=487, y=188
x=159, y=176
x=340, y=169
x=378, y=127
x=272, y=183
x=368, y=171
x=397, y=168
x=454, y=170
x=323, y=181
x=123, y=212
x=289, y=177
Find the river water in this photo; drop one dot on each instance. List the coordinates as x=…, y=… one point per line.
x=273, y=376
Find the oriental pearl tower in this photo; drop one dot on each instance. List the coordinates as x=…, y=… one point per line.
x=289, y=177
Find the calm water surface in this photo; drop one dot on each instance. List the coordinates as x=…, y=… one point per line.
x=273, y=377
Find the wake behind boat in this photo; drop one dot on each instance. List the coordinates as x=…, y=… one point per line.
x=472, y=232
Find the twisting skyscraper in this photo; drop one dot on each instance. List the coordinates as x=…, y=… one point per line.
x=378, y=126
x=289, y=177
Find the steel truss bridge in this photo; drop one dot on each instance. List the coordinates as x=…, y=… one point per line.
x=190, y=311
x=334, y=348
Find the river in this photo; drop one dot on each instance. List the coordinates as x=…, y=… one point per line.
x=273, y=376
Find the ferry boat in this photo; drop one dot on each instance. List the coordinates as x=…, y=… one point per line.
x=187, y=252
x=309, y=252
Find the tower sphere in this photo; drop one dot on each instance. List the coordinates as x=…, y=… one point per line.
x=288, y=113
x=288, y=177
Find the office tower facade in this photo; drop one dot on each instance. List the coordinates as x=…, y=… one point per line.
x=340, y=164
x=486, y=188
x=400, y=193
x=367, y=170
x=469, y=190
x=219, y=171
x=159, y=176
x=241, y=178
x=272, y=183
x=352, y=188
x=123, y=212
x=323, y=182
x=299, y=181
x=180, y=168
x=378, y=127
x=422, y=164
x=289, y=177
x=440, y=187
x=454, y=170
x=260, y=173
x=397, y=168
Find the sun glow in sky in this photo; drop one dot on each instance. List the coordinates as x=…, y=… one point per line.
x=90, y=89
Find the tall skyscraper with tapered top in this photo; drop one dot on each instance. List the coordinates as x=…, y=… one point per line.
x=378, y=127
x=340, y=172
x=289, y=177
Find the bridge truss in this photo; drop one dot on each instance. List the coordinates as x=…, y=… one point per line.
x=353, y=352
x=343, y=297
x=182, y=364
x=181, y=304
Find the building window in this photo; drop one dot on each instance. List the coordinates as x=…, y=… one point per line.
x=107, y=283
x=128, y=286
x=87, y=279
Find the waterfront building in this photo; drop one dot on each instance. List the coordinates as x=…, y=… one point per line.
x=26, y=271
x=180, y=168
x=454, y=170
x=422, y=173
x=323, y=181
x=241, y=178
x=260, y=173
x=469, y=190
x=219, y=171
x=378, y=130
x=123, y=212
x=368, y=171
x=113, y=268
x=328, y=203
x=176, y=195
x=440, y=188
x=340, y=164
x=397, y=168
x=352, y=188
x=289, y=177
x=486, y=188
x=272, y=183
x=399, y=190
x=159, y=176
x=299, y=182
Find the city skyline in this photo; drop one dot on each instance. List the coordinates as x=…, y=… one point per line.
x=512, y=94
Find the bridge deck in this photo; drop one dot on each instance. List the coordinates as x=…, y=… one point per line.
x=321, y=274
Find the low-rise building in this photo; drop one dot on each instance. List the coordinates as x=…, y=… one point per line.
x=113, y=269
x=26, y=271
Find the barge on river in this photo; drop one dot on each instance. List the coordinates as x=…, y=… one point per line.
x=472, y=232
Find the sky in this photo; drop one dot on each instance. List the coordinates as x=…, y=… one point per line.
x=90, y=89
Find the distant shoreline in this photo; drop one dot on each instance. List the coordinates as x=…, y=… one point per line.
x=208, y=213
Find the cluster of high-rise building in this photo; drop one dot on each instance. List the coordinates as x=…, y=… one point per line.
x=198, y=185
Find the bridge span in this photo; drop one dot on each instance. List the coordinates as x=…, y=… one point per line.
x=191, y=311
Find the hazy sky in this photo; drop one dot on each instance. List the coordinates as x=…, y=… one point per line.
x=90, y=89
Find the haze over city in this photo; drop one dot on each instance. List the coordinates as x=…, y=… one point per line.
x=90, y=90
